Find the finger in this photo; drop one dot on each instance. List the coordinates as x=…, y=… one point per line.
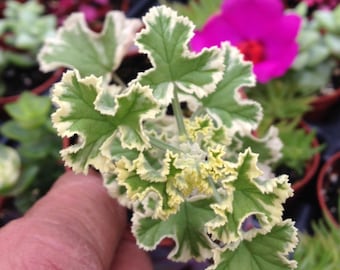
x=75, y=226
x=129, y=256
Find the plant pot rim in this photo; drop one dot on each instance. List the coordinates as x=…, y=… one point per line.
x=41, y=88
x=312, y=165
x=328, y=98
x=320, y=106
x=320, y=187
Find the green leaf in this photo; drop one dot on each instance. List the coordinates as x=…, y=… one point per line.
x=150, y=184
x=268, y=147
x=298, y=147
x=27, y=25
x=320, y=250
x=10, y=166
x=225, y=103
x=77, y=46
x=12, y=130
x=165, y=40
x=27, y=177
x=263, y=252
x=333, y=42
x=197, y=11
x=30, y=111
x=251, y=196
x=98, y=115
x=186, y=228
x=325, y=20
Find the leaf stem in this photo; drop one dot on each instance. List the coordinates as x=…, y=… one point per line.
x=176, y=107
x=162, y=145
x=215, y=192
x=198, y=112
x=118, y=80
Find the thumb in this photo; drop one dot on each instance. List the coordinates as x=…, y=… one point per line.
x=75, y=226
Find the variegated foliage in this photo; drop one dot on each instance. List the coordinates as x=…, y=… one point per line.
x=10, y=164
x=192, y=177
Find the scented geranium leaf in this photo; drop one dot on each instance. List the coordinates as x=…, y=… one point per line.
x=83, y=110
x=186, y=228
x=251, y=196
x=77, y=46
x=165, y=40
x=268, y=147
x=150, y=184
x=263, y=252
x=225, y=104
x=113, y=148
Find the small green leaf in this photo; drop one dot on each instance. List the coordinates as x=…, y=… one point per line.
x=27, y=25
x=77, y=46
x=30, y=110
x=84, y=109
x=12, y=130
x=333, y=42
x=165, y=40
x=197, y=11
x=225, y=103
x=264, y=252
x=268, y=147
x=186, y=228
x=298, y=147
x=325, y=20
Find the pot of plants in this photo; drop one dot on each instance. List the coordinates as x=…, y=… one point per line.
x=321, y=105
x=329, y=132
x=328, y=188
x=16, y=80
x=329, y=97
x=299, y=181
x=310, y=171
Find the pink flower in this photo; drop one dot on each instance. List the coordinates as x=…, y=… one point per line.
x=262, y=31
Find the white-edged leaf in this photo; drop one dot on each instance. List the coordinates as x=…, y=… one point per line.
x=84, y=110
x=225, y=104
x=186, y=228
x=165, y=40
x=77, y=46
x=264, y=252
x=251, y=196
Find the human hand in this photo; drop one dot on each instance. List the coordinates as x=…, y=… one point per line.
x=75, y=226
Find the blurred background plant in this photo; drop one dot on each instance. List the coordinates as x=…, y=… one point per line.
x=321, y=250
x=314, y=69
x=31, y=137
x=23, y=29
x=197, y=11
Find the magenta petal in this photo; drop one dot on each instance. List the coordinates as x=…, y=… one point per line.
x=213, y=33
x=276, y=66
x=289, y=26
x=252, y=18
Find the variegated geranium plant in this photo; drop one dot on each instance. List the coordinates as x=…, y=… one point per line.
x=195, y=176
